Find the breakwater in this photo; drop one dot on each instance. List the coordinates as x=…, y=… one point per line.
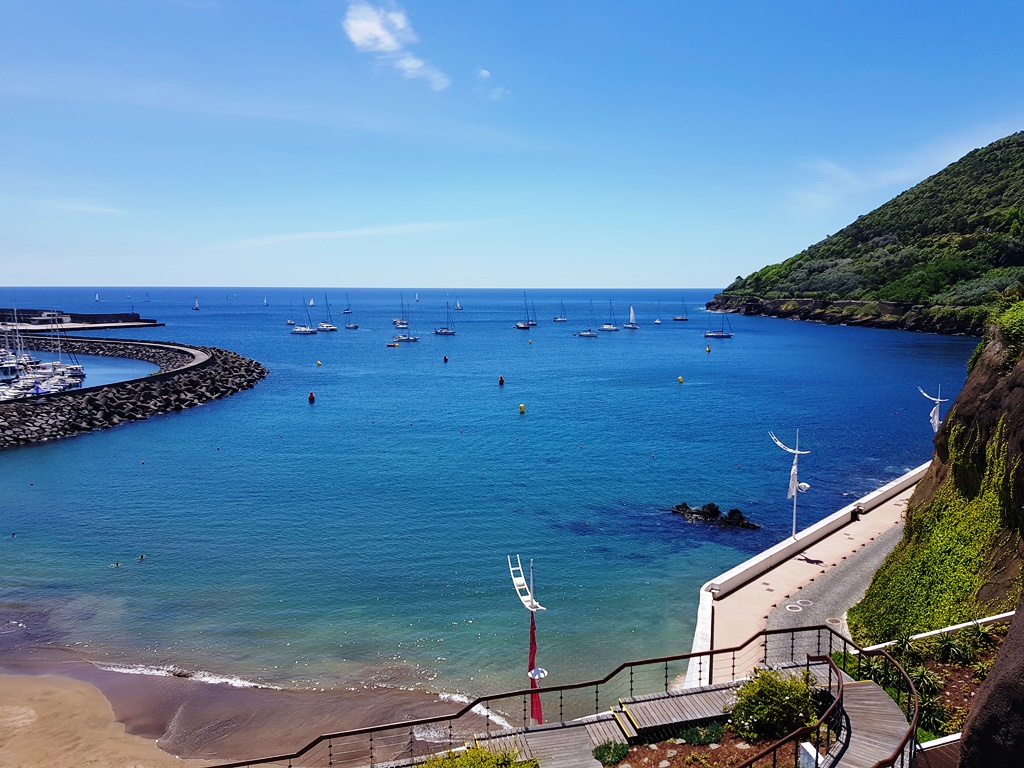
x=188, y=376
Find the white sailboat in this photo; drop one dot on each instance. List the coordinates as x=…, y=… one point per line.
x=632, y=324
x=561, y=315
x=265, y=304
x=657, y=318
x=329, y=325
x=348, y=306
x=610, y=325
x=589, y=332
x=682, y=318
x=97, y=296
x=307, y=329
x=458, y=307
x=524, y=324
x=311, y=302
x=448, y=329
x=403, y=323
x=721, y=333
x=196, y=305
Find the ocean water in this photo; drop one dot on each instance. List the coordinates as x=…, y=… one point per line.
x=363, y=539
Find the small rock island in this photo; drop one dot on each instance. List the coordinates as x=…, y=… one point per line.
x=710, y=513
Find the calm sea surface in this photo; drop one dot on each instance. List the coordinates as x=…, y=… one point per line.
x=364, y=538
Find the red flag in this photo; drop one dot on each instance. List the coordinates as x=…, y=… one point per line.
x=535, y=711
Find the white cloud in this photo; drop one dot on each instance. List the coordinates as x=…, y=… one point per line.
x=485, y=90
x=833, y=185
x=482, y=73
x=412, y=228
x=386, y=32
x=82, y=206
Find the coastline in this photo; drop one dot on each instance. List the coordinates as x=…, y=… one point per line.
x=58, y=710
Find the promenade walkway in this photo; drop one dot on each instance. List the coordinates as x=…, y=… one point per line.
x=844, y=553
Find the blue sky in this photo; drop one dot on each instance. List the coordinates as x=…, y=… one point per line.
x=475, y=143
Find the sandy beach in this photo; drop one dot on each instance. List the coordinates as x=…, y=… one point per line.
x=86, y=716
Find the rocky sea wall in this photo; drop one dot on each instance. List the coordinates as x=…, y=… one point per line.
x=188, y=376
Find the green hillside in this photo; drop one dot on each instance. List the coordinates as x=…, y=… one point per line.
x=955, y=239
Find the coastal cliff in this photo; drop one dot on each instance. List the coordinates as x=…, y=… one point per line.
x=940, y=257
x=961, y=553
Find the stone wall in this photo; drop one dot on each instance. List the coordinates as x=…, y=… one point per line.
x=188, y=376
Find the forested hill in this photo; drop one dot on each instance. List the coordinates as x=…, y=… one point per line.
x=944, y=252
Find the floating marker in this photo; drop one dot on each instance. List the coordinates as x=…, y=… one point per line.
x=708, y=350
x=501, y=381
x=680, y=379
x=522, y=408
x=312, y=398
x=319, y=363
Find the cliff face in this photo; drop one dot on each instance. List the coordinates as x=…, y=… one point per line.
x=960, y=321
x=961, y=553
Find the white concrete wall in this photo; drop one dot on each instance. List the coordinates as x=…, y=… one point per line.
x=750, y=569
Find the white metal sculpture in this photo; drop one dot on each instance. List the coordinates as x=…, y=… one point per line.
x=934, y=415
x=524, y=589
x=795, y=485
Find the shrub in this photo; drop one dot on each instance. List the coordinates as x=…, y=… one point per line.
x=611, y=752
x=951, y=649
x=771, y=705
x=478, y=757
x=932, y=714
x=979, y=635
x=981, y=669
x=906, y=650
x=701, y=736
x=925, y=681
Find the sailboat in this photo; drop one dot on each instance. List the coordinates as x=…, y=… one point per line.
x=610, y=325
x=417, y=297
x=524, y=324
x=657, y=318
x=561, y=315
x=311, y=302
x=589, y=333
x=458, y=307
x=97, y=296
x=531, y=316
x=632, y=324
x=403, y=323
x=448, y=329
x=683, y=317
x=348, y=306
x=196, y=305
x=329, y=325
x=307, y=329
x=265, y=304
x=721, y=333
x=148, y=299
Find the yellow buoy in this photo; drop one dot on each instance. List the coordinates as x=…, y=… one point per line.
x=531, y=341
x=522, y=408
x=318, y=362
x=708, y=350
x=680, y=379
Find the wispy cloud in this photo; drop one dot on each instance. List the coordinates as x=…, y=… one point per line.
x=413, y=228
x=486, y=89
x=832, y=185
x=386, y=33
x=82, y=206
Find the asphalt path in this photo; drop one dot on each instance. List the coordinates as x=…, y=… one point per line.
x=827, y=599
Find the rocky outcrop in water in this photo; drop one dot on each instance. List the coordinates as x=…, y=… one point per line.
x=710, y=513
x=188, y=376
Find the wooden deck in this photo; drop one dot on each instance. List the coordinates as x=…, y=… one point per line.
x=876, y=725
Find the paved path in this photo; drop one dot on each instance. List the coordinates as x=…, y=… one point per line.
x=847, y=559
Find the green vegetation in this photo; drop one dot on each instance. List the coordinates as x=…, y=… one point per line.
x=956, y=239
x=701, y=736
x=611, y=752
x=771, y=705
x=477, y=757
x=933, y=576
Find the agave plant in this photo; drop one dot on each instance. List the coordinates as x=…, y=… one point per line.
x=906, y=650
x=979, y=635
x=950, y=649
x=925, y=681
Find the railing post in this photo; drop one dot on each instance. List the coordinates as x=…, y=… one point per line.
x=631, y=681
x=526, y=721
x=666, y=677
x=561, y=700
x=597, y=699
x=330, y=754
x=371, y=748
x=711, y=667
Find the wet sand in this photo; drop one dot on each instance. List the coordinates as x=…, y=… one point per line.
x=85, y=716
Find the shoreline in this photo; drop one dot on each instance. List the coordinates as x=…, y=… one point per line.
x=45, y=700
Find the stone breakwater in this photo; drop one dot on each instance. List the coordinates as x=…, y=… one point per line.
x=188, y=376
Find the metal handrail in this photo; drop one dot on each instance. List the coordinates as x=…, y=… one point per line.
x=836, y=707
x=483, y=702
x=900, y=752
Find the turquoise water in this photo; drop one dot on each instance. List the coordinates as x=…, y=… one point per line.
x=363, y=538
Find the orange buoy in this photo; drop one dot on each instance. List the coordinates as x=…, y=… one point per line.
x=312, y=397
x=501, y=381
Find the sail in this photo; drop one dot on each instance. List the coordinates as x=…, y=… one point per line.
x=934, y=418
x=794, y=484
x=311, y=303
x=632, y=316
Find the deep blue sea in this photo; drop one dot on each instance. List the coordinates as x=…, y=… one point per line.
x=364, y=538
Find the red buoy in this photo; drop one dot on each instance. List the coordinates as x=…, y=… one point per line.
x=312, y=397
x=501, y=381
